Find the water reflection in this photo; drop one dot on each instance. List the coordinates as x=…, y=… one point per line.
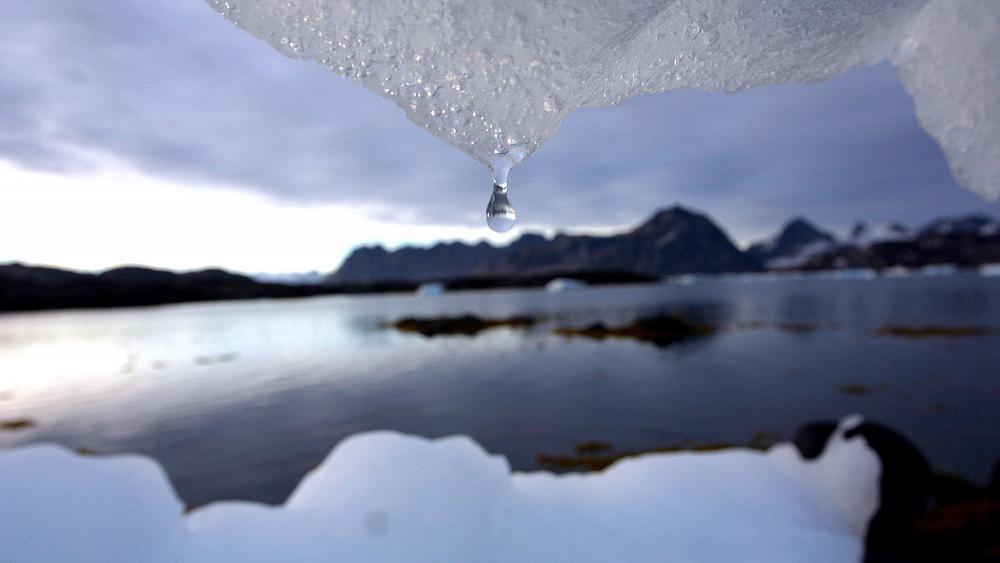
x=238, y=400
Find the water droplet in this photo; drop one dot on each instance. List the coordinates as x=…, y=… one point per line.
x=500, y=214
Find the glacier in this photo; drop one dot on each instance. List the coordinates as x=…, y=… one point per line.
x=386, y=496
x=487, y=75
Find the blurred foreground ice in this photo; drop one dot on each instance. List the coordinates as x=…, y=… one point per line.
x=485, y=75
x=386, y=496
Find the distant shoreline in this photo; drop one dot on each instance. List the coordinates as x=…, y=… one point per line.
x=34, y=288
x=29, y=288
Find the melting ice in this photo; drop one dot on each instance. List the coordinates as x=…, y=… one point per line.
x=486, y=75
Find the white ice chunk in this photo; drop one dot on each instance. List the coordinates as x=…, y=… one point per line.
x=56, y=505
x=385, y=496
x=949, y=61
x=485, y=75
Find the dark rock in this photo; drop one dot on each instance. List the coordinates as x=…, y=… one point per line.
x=854, y=389
x=937, y=331
x=662, y=330
x=904, y=490
x=17, y=424
x=811, y=439
x=468, y=325
x=588, y=448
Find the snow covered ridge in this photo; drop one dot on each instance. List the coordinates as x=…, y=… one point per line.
x=387, y=496
x=484, y=75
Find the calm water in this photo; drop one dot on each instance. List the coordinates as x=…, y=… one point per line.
x=240, y=399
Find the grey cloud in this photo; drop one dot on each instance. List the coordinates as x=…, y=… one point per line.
x=172, y=88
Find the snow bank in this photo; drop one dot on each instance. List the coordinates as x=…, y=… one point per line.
x=386, y=496
x=484, y=75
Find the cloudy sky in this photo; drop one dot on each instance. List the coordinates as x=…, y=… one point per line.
x=155, y=132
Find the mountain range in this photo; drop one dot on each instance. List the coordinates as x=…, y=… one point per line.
x=679, y=241
x=671, y=242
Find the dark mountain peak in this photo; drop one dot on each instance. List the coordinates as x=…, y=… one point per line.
x=217, y=276
x=800, y=231
x=372, y=250
x=800, y=225
x=673, y=213
x=138, y=275
x=16, y=272
x=678, y=240
x=798, y=239
x=670, y=219
x=530, y=239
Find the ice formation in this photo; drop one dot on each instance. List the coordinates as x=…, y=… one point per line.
x=385, y=496
x=486, y=75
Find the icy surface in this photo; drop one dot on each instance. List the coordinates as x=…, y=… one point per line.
x=801, y=255
x=866, y=235
x=485, y=75
x=386, y=496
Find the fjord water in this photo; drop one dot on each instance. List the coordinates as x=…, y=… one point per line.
x=240, y=399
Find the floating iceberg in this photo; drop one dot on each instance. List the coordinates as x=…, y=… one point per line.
x=430, y=289
x=558, y=285
x=486, y=75
x=385, y=496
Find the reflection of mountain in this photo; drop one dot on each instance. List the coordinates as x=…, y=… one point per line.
x=673, y=241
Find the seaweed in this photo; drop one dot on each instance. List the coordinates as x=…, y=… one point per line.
x=467, y=325
x=17, y=424
x=937, y=331
x=662, y=330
